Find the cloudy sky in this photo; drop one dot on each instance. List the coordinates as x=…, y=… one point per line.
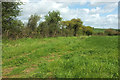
x=96, y=14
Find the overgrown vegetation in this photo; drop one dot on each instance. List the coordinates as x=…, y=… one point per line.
x=61, y=57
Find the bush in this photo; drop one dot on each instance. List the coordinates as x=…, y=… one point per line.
x=88, y=30
x=100, y=33
x=110, y=32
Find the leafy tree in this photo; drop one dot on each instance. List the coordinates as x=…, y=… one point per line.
x=32, y=25
x=10, y=10
x=18, y=29
x=53, y=21
x=32, y=22
x=87, y=30
x=43, y=29
x=67, y=26
x=73, y=24
x=77, y=23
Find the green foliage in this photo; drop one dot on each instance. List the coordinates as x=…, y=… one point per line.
x=31, y=29
x=88, y=30
x=76, y=24
x=32, y=22
x=111, y=32
x=10, y=11
x=68, y=24
x=97, y=30
x=72, y=26
x=67, y=28
x=43, y=29
x=53, y=19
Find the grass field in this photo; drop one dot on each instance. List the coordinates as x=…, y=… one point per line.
x=99, y=30
x=62, y=57
x=96, y=30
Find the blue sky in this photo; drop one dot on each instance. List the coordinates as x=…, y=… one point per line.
x=95, y=14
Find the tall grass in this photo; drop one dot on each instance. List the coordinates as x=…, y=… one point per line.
x=62, y=57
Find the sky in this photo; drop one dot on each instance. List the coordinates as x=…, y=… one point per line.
x=97, y=14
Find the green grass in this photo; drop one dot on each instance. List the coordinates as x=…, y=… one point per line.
x=61, y=57
x=96, y=30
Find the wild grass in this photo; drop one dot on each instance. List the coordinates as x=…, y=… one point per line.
x=61, y=57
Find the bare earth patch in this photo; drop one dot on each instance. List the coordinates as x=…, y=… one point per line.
x=28, y=70
x=51, y=56
x=14, y=76
x=7, y=71
x=50, y=60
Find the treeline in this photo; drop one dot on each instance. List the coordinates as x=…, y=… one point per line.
x=109, y=32
x=52, y=26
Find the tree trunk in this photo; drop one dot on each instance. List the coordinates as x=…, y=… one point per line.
x=7, y=33
x=75, y=32
x=54, y=34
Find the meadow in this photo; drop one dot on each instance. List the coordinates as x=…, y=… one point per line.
x=61, y=57
x=96, y=30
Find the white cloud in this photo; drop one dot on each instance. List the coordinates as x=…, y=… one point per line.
x=85, y=0
x=87, y=10
x=24, y=0
x=109, y=21
x=93, y=1
x=91, y=17
x=112, y=16
x=95, y=10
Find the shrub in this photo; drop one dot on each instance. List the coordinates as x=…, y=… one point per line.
x=110, y=32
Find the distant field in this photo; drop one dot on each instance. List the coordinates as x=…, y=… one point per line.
x=62, y=57
x=96, y=30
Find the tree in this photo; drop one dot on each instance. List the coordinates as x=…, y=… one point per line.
x=10, y=10
x=77, y=23
x=32, y=25
x=32, y=22
x=43, y=29
x=18, y=29
x=110, y=32
x=67, y=26
x=53, y=20
x=72, y=25
x=87, y=30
